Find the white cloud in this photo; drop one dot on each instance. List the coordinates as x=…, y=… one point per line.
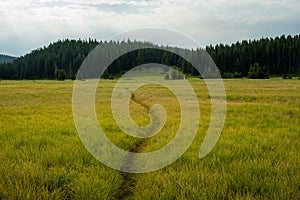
x=28, y=24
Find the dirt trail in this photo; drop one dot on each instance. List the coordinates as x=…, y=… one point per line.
x=127, y=187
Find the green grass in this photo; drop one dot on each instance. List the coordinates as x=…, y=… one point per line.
x=256, y=157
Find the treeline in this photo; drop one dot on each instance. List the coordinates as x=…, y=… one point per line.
x=44, y=63
x=280, y=55
x=66, y=57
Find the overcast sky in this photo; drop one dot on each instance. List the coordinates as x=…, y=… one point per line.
x=28, y=24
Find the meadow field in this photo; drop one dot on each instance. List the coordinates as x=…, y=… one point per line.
x=256, y=157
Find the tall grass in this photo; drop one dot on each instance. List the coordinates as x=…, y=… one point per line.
x=41, y=154
x=256, y=157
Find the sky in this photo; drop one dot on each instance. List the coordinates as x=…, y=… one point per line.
x=29, y=24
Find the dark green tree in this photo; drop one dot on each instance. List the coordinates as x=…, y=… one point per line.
x=61, y=75
x=257, y=72
x=280, y=55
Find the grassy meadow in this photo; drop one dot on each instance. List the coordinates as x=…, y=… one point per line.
x=256, y=157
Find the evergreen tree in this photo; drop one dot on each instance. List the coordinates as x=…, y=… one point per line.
x=257, y=72
x=61, y=75
x=280, y=55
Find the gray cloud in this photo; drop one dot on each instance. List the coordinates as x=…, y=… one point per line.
x=27, y=24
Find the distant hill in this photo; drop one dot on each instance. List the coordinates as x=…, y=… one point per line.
x=43, y=63
x=6, y=59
